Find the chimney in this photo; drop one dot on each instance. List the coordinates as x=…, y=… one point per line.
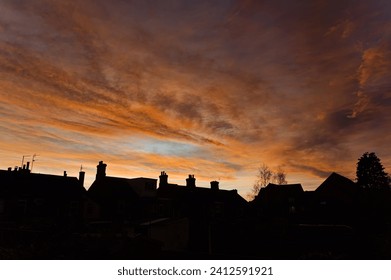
x=214, y=185
x=163, y=179
x=190, y=182
x=65, y=174
x=81, y=178
x=100, y=170
x=9, y=168
x=28, y=165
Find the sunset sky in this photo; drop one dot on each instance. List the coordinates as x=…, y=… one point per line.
x=211, y=88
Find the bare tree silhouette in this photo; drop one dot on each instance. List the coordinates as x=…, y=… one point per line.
x=279, y=177
x=264, y=177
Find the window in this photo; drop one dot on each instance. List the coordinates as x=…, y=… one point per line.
x=121, y=207
x=150, y=186
x=218, y=209
x=2, y=206
x=89, y=209
x=22, y=207
x=38, y=202
x=74, y=208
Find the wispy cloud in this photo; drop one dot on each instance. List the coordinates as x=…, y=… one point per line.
x=231, y=84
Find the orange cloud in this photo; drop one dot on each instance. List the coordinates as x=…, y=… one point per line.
x=210, y=88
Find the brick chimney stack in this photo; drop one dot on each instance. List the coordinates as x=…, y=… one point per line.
x=190, y=181
x=100, y=170
x=81, y=178
x=163, y=179
x=214, y=185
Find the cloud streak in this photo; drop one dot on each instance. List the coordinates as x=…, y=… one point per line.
x=304, y=85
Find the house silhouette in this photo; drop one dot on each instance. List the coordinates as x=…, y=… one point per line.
x=336, y=200
x=49, y=216
x=208, y=210
x=123, y=199
x=138, y=202
x=41, y=200
x=284, y=201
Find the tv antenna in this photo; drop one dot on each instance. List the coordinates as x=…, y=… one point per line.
x=32, y=162
x=23, y=159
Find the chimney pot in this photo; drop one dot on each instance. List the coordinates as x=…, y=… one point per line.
x=163, y=179
x=190, y=182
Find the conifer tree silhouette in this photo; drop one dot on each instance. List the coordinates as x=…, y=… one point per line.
x=370, y=173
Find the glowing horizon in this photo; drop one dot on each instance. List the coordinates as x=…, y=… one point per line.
x=193, y=87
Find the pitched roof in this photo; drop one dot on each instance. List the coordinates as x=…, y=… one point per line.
x=286, y=188
x=336, y=183
x=142, y=187
x=198, y=193
x=273, y=192
x=25, y=183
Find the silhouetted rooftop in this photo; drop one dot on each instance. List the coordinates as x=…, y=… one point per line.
x=42, y=184
x=179, y=191
x=285, y=187
x=336, y=183
x=121, y=186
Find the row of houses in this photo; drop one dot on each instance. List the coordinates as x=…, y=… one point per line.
x=171, y=217
x=164, y=217
x=338, y=200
